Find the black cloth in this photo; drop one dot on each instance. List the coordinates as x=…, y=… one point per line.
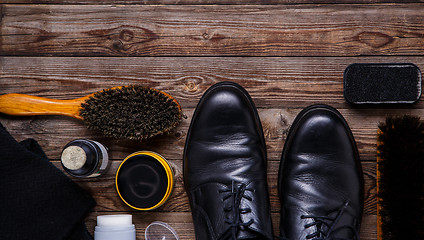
x=37, y=200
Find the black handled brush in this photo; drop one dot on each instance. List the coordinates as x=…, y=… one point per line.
x=400, y=179
x=129, y=112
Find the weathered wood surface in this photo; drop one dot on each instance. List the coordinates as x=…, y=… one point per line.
x=290, y=83
x=286, y=56
x=279, y=82
x=205, y=2
x=212, y=30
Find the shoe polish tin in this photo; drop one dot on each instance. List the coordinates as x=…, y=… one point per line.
x=144, y=180
x=84, y=158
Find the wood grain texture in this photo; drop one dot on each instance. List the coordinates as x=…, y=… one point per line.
x=288, y=54
x=290, y=84
x=273, y=82
x=204, y=2
x=28, y=105
x=278, y=30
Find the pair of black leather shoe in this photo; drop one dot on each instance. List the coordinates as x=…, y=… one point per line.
x=320, y=178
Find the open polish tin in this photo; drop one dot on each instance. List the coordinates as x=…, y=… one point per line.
x=144, y=180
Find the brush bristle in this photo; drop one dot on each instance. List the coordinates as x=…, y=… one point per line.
x=131, y=112
x=401, y=181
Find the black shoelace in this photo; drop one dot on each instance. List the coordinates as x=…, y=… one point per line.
x=235, y=195
x=330, y=222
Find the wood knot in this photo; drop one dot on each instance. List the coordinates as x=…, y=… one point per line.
x=206, y=36
x=374, y=39
x=178, y=134
x=126, y=35
x=275, y=123
x=212, y=36
x=118, y=44
x=191, y=86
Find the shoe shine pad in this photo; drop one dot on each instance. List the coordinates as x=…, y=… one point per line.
x=376, y=83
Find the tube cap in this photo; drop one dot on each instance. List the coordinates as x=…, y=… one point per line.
x=114, y=220
x=114, y=227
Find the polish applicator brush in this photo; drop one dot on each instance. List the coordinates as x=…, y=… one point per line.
x=400, y=179
x=128, y=112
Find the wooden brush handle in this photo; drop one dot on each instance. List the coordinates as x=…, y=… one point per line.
x=26, y=105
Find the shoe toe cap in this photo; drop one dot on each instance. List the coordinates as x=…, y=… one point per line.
x=225, y=141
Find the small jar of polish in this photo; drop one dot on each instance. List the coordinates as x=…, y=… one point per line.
x=84, y=158
x=144, y=180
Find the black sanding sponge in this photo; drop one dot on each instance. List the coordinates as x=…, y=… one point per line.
x=380, y=83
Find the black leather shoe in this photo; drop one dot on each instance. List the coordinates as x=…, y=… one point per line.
x=225, y=167
x=320, y=178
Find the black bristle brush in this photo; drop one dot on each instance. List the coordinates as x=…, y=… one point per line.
x=400, y=179
x=128, y=112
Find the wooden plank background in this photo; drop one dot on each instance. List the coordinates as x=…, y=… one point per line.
x=288, y=54
x=204, y=2
x=97, y=30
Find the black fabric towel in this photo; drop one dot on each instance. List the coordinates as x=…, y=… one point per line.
x=37, y=200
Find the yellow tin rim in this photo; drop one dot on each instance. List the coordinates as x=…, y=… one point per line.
x=169, y=175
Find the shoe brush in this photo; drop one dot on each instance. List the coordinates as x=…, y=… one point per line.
x=400, y=179
x=128, y=112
